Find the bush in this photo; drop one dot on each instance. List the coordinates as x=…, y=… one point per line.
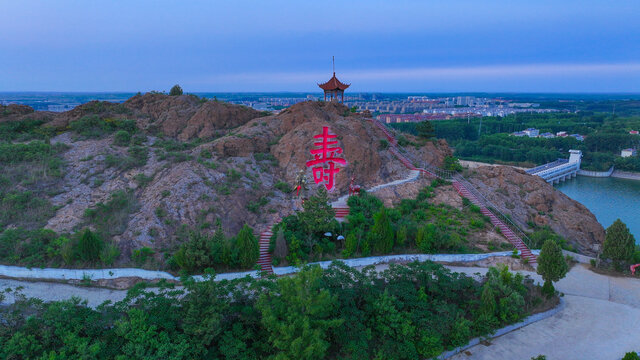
x=248, y=250
x=92, y=126
x=631, y=356
x=89, y=247
x=176, y=90
x=111, y=218
x=24, y=209
x=382, y=233
x=452, y=163
x=122, y=138
x=140, y=256
x=283, y=186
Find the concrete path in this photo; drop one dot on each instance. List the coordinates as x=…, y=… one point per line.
x=600, y=321
x=51, y=291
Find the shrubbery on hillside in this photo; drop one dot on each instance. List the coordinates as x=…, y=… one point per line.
x=92, y=126
x=414, y=225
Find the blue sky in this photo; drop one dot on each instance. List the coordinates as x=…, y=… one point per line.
x=276, y=45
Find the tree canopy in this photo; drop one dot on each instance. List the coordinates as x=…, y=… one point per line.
x=551, y=265
x=175, y=90
x=619, y=243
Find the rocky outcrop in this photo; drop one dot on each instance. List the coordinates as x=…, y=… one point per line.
x=185, y=117
x=288, y=136
x=15, y=110
x=531, y=200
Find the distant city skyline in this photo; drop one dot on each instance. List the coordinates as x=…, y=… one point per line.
x=380, y=46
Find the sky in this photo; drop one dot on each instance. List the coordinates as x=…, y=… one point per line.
x=581, y=46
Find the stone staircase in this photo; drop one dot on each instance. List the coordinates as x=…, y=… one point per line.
x=341, y=211
x=514, y=239
x=465, y=189
x=265, y=257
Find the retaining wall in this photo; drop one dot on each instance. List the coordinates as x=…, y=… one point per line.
x=596, y=173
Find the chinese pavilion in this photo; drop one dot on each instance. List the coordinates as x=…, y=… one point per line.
x=334, y=88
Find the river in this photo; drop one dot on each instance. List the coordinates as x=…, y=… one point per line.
x=608, y=199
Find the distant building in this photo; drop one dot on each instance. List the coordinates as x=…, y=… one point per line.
x=634, y=132
x=547, y=135
x=628, y=153
x=578, y=137
x=519, y=133
x=562, y=134
x=531, y=132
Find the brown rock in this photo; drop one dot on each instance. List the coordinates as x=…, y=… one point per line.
x=529, y=198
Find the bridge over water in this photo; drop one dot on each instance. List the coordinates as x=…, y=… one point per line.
x=559, y=170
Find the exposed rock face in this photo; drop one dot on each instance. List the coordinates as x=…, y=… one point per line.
x=529, y=198
x=289, y=137
x=184, y=117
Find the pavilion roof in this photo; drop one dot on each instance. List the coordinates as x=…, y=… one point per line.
x=334, y=84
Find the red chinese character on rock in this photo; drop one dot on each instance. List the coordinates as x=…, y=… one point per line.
x=326, y=155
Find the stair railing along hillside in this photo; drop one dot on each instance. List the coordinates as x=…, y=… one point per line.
x=450, y=175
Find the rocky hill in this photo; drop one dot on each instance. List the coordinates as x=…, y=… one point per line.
x=190, y=162
x=148, y=170
x=531, y=202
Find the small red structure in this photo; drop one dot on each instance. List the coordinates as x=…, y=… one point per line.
x=326, y=154
x=354, y=189
x=633, y=268
x=334, y=87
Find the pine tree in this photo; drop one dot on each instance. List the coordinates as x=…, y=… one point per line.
x=281, y=251
x=425, y=129
x=619, y=243
x=350, y=245
x=248, y=250
x=89, y=246
x=318, y=213
x=551, y=265
x=401, y=235
x=382, y=233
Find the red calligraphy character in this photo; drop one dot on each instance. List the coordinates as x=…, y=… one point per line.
x=326, y=154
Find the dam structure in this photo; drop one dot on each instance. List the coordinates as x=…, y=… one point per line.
x=559, y=170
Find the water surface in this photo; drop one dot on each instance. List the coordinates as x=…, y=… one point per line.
x=608, y=199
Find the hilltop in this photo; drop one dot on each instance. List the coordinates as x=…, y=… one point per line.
x=146, y=172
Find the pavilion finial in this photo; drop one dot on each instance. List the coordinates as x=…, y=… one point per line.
x=333, y=62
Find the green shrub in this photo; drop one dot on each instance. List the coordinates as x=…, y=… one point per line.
x=111, y=218
x=140, y=256
x=175, y=90
x=89, y=247
x=142, y=179
x=92, y=126
x=283, y=186
x=24, y=209
x=122, y=138
x=206, y=154
x=248, y=251
x=631, y=356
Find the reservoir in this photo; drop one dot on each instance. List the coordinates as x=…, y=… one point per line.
x=608, y=199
